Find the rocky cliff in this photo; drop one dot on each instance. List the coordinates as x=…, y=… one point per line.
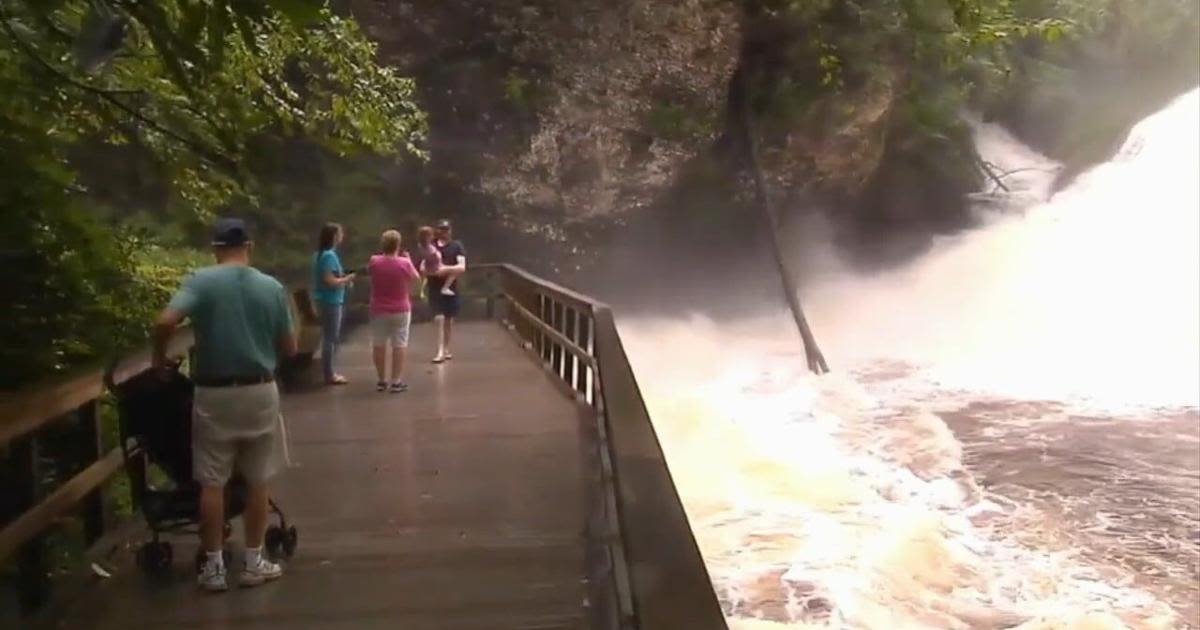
x=563, y=111
x=565, y=121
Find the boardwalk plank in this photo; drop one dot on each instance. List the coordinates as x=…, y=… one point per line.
x=458, y=505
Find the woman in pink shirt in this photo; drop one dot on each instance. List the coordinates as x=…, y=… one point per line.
x=392, y=275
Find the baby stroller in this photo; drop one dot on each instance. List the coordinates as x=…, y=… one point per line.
x=155, y=427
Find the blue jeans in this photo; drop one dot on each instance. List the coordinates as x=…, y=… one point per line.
x=331, y=333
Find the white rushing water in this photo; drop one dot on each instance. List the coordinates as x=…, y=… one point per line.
x=1093, y=294
x=846, y=501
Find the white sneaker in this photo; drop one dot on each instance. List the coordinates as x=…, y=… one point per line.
x=212, y=577
x=447, y=291
x=257, y=572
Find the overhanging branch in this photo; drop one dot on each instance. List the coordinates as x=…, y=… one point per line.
x=216, y=158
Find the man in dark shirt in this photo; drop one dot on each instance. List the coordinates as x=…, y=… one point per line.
x=445, y=307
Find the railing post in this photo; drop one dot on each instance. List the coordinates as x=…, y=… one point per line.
x=136, y=469
x=91, y=444
x=523, y=297
x=594, y=386
x=544, y=307
x=570, y=361
x=557, y=357
x=20, y=494
x=582, y=330
x=489, y=308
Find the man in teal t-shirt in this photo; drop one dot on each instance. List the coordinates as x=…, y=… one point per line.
x=239, y=314
x=242, y=324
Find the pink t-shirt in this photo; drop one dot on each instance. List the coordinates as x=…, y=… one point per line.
x=391, y=277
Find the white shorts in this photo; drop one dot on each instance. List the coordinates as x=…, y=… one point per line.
x=390, y=328
x=237, y=428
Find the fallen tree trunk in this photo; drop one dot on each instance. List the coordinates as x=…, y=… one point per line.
x=743, y=119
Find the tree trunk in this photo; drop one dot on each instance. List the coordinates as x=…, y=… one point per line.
x=742, y=119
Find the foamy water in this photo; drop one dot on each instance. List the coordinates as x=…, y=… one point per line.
x=848, y=501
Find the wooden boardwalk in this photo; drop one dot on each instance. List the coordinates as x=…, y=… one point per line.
x=457, y=505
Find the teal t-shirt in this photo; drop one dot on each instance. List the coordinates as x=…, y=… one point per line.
x=327, y=261
x=239, y=314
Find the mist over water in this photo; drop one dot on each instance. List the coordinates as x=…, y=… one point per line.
x=1010, y=439
x=1092, y=294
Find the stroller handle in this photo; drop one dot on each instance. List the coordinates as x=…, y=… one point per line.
x=111, y=370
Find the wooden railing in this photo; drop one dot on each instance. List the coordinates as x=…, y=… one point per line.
x=26, y=417
x=25, y=512
x=646, y=571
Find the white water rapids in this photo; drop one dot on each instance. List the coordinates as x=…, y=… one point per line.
x=1010, y=440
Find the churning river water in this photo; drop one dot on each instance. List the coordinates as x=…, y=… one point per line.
x=1011, y=438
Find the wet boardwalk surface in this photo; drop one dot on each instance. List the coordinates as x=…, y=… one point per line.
x=457, y=505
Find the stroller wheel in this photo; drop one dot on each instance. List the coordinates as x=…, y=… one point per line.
x=290, y=539
x=155, y=558
x=274, y=540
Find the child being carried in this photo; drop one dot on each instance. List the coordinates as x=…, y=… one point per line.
x=431, y=261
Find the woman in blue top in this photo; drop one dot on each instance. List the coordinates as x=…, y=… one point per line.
x=329, y=292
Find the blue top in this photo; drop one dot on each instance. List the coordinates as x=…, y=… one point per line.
x=239, y=315
x=327, y=262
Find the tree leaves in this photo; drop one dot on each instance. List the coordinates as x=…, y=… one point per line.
x=198, y=78
x=300, y=12
x=190, y=86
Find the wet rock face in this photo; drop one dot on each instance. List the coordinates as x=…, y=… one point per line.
x=563, y=109
x=637, y=89
x=560, y=122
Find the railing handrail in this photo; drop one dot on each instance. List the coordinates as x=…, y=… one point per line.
x=665, y=582
x=29, y=409
x=561, y=293
x=26, y=411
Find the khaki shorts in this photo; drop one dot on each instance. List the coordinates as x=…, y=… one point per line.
x=237, y=428
x=390, y=328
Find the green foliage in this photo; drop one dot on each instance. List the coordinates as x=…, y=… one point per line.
x=195, y=86
x=517, y=90
x=939, y=47
x=951, y=52
x=922, y=63
x=199, y=81
x=78, y=291
x=1143, y=54
x=674, y=121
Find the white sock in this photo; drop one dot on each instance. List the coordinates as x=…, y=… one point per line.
x=253, y=555
x=215, y=559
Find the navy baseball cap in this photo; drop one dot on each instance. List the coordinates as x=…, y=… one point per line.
x=442, y=224
x=230, y=233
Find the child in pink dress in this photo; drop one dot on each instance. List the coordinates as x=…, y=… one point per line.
x=431, y=261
